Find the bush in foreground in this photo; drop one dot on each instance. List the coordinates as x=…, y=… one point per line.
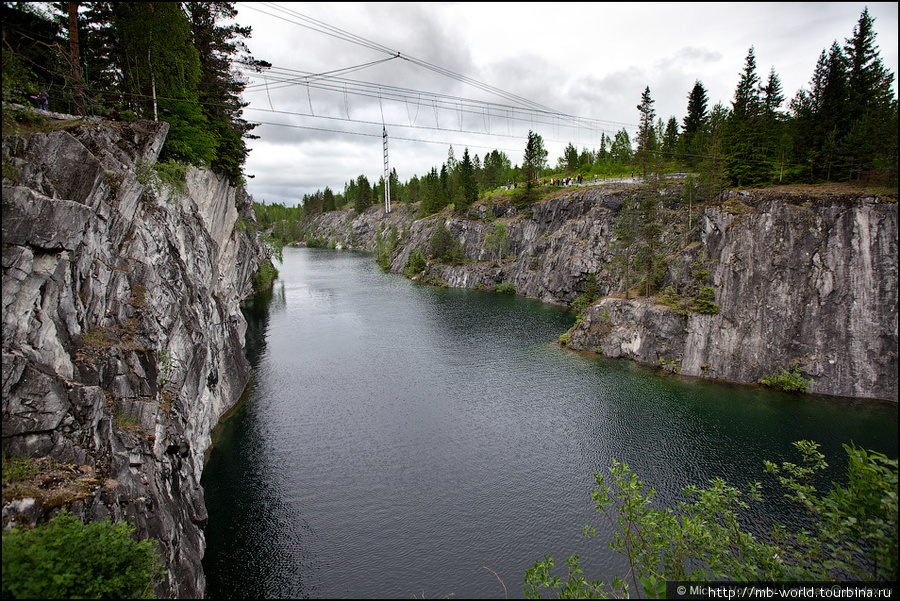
x=852, y=533
x=66, y=559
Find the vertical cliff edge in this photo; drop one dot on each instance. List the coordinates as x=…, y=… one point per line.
x=122, y=332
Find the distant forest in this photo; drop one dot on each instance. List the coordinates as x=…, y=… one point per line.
x=173, y=61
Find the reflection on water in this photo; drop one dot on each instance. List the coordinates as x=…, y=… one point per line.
x=398, y=438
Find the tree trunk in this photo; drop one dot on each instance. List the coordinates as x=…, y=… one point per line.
x=75, y=57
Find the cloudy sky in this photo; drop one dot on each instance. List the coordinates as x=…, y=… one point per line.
x=481, y=75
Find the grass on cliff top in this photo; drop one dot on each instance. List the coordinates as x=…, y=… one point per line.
x=22, y=122
x=829, y=191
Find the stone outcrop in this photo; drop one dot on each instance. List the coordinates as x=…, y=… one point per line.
x=122, y=332
x=798, y=277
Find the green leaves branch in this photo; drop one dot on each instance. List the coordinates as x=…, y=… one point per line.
x=852, y=532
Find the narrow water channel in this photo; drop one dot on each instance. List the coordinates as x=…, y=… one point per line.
x=398, y=440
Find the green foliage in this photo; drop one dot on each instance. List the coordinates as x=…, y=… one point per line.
x=66, y=558
x=385, y=246
x=315, y=241
x=507, y=288
x=284, y=222
x=415, y=264
x=850, y=533
x=17, y=468
x=703, y=302
x=535, y=158
x=444, y=247
x=854, y=535
x=163, y=177
x=264, y=277
x=17, y=78
x=788, y=381
x=190, y=139
x=576, y=586
x=165, y=366
x=364, y=197
x=497, y=239
x=589, y=295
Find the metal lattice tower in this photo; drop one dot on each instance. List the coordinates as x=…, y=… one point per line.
x=387, y=175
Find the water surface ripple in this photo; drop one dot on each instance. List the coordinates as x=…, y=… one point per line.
x=399, y=438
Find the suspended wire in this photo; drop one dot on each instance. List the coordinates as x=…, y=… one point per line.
x=144, y=97
x=286, y=77
x=378, y=135
x=302, y=20
x=409, y=96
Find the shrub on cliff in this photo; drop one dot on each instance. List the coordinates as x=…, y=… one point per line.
x=66, y=558
x=444, y=247
x=788, y=381
x=415, y=264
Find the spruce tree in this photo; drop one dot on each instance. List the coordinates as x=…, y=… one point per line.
x=468, y=187
x=745, y=140
x=535, y=158
x=646, y=135
x=694, y=125
x=868, y=81
x=872, y=109
x=220, y=47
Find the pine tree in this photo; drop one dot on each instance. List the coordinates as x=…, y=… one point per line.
x=220, y=47
x=621, y=150
x=713, y=174
x=363, y=194
x=328, y=197
x=570, y=156
x=646, y=136
x=694, y=125
x=670, y=138
x=745, y=106
x=468, y=186
x=745, y=141
x=832, y=120
x=535, y=158
x=772, y=97
x=625, y=230
x=872, y=109
x=869, y=82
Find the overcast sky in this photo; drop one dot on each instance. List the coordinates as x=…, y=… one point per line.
x=588, y=60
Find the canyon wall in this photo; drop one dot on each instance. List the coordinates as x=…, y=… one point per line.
x=122, y=332
x=802, y=276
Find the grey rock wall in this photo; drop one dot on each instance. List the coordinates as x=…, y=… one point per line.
x=806, y=280
x=122, y=334
x=811, y=278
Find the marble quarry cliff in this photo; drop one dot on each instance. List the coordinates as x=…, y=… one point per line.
x=122, y=331
x=799, y=276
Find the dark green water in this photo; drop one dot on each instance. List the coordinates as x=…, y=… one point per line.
x=400, y=439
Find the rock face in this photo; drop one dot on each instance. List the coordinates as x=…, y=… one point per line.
x=551, y=248
x=122, y=331
x=805, y=278
x=797, y=280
